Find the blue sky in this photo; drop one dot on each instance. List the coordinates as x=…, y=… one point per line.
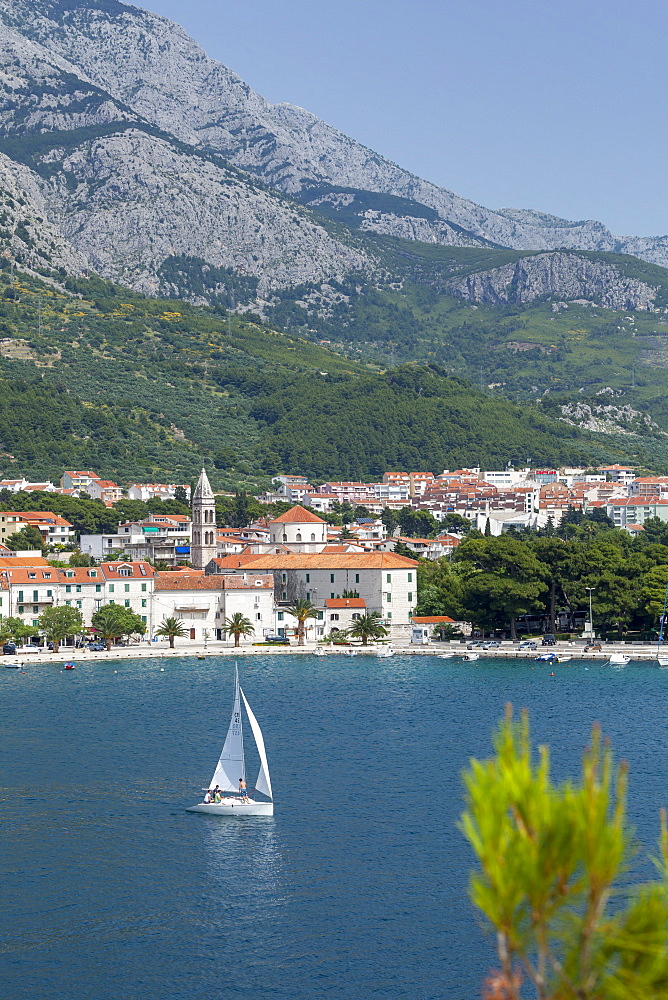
x=559, y=107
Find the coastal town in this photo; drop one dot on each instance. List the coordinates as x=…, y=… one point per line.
x=202, y=573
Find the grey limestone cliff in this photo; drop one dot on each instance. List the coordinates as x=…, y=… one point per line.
x=567, y=275
x=28, y=237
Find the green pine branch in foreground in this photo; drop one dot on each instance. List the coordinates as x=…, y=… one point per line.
x=551, y=857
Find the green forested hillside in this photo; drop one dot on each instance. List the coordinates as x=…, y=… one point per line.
x=93, y=375
x=520, y=352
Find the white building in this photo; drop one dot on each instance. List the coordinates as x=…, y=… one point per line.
x=203, y=603
x=155, y=491
x=299, y=529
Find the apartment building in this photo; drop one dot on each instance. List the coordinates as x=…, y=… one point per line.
x=54, y=529
x=158, y=537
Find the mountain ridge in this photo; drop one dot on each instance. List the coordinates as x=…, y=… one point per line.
x=170, y=81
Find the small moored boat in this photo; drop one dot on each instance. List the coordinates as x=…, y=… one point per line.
x=619, y=659
x=384, y=651
x=471, y=657
x=13, y=664
x=319, y=651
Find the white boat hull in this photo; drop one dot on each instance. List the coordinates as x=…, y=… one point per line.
x=233, y=808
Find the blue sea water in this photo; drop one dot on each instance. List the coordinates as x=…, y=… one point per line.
x=355, y=890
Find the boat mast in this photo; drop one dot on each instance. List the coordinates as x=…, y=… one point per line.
x=237, y=701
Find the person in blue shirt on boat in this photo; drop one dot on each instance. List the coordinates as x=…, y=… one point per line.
x=242, y=790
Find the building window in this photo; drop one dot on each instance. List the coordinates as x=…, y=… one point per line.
x=332, y=596
x=20, y=596
x=69, y=602
x=35, y=609
x=410, y=597
x=111, y=602
x=111, y=588
x=389, y=578
x=21, y=609
x=79, y=603
x=331, y=578
x=334, y=618
x=389, y=614
x=68, y=588
x=321, y=615
x=357, y=578
x=78, y=588
x=143, y=588
x=308, y=595
x=143, y=604
x=127, y=604
x=143, y=618
x=284, y=595
x=258, y=618
x=308, y=577
x=98, y=588
x=410, y=577
x=49, y=593
x=284, y=577
x=281, y=616
x=127, y=588
x=388, y=597
x=35, y=595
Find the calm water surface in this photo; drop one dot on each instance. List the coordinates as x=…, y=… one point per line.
x=356, y=888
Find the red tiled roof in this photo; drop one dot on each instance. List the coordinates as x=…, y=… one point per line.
x=298, y=515
x=345, y=602
x=320, y=560
x=432, y=619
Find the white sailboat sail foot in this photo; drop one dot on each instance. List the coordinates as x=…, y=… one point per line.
x=230, y=766
x=263, y=783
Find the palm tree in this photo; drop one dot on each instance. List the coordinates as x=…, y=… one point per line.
x=172, y=628
x=302, y=610
x=367, y=627
x=237, y=625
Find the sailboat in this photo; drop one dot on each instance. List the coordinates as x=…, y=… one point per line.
x=662, y=660
x=231, y=768
x=384, y=651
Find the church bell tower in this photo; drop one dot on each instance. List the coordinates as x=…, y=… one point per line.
x=203, y=548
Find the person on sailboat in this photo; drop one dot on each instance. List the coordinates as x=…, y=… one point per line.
x=207, y=797
x=242, y=790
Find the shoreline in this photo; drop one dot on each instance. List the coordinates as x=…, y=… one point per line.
x=645, y=653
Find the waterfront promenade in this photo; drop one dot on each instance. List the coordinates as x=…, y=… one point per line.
x=186, y=648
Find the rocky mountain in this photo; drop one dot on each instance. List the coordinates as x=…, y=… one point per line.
x=555, y=274
x=150, y=65
x=27, y=235
x=129, y=196
x=138, y=156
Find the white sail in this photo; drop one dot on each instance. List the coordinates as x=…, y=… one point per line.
x=263, y=783
x=231, y=764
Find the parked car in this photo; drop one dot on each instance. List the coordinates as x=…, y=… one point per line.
x=473, y=645
x=96, y=647
x=593, y=647
x=279, y=640
x=9, y=648
x=549, y=640
x=528, y=644
x=490, y=645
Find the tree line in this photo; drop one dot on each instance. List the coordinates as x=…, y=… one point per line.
x=493, y=581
